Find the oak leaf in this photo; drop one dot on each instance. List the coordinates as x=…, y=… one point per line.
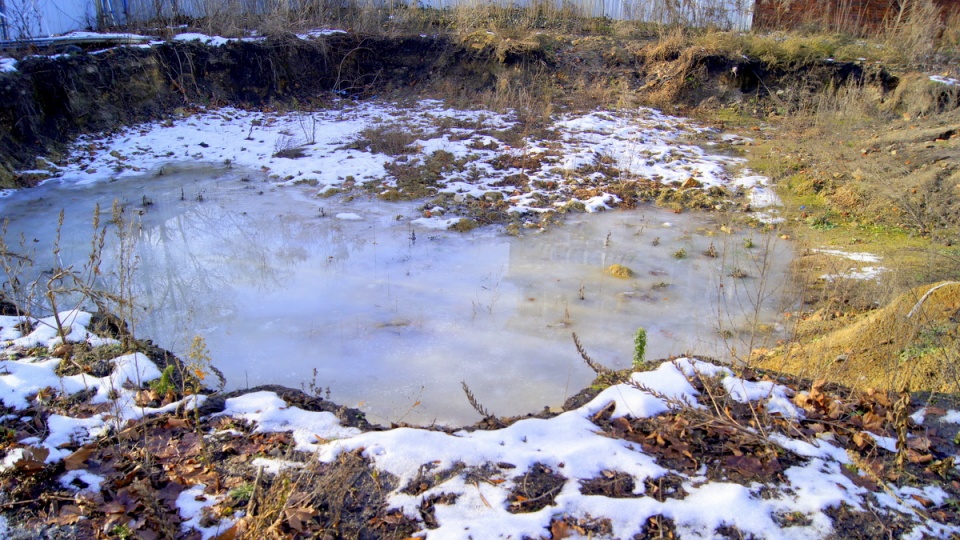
x=78, y=459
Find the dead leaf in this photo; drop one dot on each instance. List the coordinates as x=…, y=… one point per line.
x=921, y=444
x=861, y=481
x=873, y=422
x=392, y=519
x=296, y=517
x=621, y=425
x=145, y=397
x=916, y=457
x=112, y=507
x=174, y=422
x=559, y=529
x=33, y=460
x=233, y=532
x=69, y=514
x=747, y=466
x=604, y=412
x=229, y=534
x=78, y=459
x=861, y=439
x=192, y=473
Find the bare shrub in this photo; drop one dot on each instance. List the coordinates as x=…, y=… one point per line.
x=288, y=147
x=387, y=139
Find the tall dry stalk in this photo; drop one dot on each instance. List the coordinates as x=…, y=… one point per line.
x=912, y=28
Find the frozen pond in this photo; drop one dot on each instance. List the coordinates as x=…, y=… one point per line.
x=393, y=316
x=392, y=310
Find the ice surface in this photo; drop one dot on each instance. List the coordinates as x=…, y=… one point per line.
x=388, y=308
x=393, y=314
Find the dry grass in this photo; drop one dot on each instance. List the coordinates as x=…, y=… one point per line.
x=908, y=342
x=389, y=139
x=912, y=30
x=343, y=499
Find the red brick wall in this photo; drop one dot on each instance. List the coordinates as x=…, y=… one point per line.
x=857, y=16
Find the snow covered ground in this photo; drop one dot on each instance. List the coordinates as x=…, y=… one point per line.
x=854, y=272
x=573, y=449
x=576, y=159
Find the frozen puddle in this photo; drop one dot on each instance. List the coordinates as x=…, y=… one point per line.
x=392, y=315
x=390, y=308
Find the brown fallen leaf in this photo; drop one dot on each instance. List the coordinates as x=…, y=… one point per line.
x=873, y=422
x=147, y=534
x=861, y=439
x=558, y=530
x=69, y=514
x=112, y=507
x=78, y=459
x=145, y=397
x=33, y=460
x=621, y=426
x=174, y=422
x=916, y=457
x=229, y=534
x=861, y=481
x=921, y=444
x=297, y=517
x=748, y=466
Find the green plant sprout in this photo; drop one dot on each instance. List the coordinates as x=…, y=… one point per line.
x=639, y=347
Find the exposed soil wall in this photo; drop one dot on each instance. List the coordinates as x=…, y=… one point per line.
x=49, y=101
x=866, y=15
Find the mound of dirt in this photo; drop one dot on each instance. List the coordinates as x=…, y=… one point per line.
x=913, y=341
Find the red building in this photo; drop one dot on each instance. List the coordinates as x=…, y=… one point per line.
x=857, y=16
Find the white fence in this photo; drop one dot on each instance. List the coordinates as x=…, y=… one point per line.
x=21, y=19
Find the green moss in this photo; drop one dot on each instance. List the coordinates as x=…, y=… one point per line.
x=464, y=225
x=390, y=195
x=164, y=384
x=573, y=206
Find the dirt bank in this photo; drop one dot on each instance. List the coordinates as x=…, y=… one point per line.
x=48, y=101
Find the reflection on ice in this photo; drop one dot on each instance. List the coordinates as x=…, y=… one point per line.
x=393, y=316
